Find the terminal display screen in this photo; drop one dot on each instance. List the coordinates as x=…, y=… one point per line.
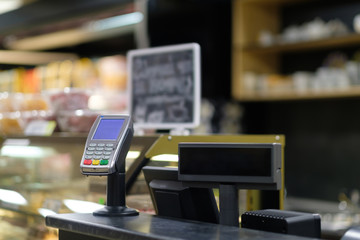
x=108, y=129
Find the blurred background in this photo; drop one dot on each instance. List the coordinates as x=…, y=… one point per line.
x=286, y=67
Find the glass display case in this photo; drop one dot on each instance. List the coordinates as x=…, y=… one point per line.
x=41, y=176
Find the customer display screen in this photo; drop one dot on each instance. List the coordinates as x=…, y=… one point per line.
x=226, y=162
x=108, y=129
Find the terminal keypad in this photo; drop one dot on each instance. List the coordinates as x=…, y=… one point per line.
x=98, y=153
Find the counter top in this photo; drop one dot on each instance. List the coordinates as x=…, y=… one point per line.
x=147, y=226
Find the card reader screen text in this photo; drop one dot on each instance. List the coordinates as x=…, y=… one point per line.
x=108, y=129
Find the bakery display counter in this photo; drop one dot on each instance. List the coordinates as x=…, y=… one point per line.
x=41, y=176
x=19, y=225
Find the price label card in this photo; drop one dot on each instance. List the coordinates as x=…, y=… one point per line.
x=40, y=128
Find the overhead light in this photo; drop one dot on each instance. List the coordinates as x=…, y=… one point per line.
x=133, y=155
x=9, y=5
x=96, y=30
x=26, y=151
x=33, y=58
x=165, y=158
x=79, y=206
x=97, y=102
x=10, y=196
x=45, y=212
x=116, y=22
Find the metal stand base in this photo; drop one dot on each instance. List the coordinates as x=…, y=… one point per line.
x=116, y=211
x=115, y=191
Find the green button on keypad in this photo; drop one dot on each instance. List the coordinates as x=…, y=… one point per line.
x=104, y=162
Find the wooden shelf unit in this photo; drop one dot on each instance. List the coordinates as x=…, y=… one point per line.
x=325, y=43
x=250, y=17
x=295, y=95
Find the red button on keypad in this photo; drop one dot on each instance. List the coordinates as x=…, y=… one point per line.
x=87, y=162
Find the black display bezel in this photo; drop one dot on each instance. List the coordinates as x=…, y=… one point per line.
x=275, y=164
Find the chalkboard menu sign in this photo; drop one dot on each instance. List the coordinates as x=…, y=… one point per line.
x=164, y=85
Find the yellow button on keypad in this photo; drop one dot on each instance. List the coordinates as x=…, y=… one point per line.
x=96, y=162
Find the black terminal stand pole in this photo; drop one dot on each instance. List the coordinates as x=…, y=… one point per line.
x=116, y=191
x=116, y=203
x=229, y=205
x=115, y=181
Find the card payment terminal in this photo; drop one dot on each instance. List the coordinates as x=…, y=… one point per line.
x=107, y=145
x=105, y=152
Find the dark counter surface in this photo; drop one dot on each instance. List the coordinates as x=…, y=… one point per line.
x=147, y=226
